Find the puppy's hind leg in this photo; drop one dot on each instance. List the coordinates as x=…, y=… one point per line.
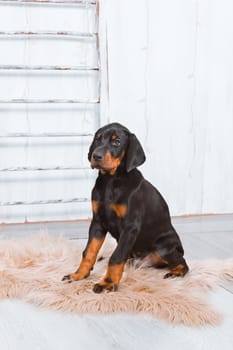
x=176, y=264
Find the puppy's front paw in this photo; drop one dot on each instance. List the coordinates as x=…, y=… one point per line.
x=67, y=278
x=100, y=287
x=74, y=277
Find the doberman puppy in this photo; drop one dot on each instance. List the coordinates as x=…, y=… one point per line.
x=130, y=208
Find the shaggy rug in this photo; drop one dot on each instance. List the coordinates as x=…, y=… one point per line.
x=31, y=269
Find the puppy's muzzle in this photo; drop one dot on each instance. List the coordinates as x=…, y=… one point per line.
x=97, y=156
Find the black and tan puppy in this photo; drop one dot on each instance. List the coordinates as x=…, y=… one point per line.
x=130, y=208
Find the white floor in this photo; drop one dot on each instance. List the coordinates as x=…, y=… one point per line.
x=24, y=327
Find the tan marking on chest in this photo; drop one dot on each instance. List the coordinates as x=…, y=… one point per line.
x=95, y=206
x=119, y=209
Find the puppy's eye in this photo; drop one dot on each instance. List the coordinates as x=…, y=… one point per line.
x=116, y=142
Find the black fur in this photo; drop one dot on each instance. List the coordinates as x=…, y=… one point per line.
x=129, y=207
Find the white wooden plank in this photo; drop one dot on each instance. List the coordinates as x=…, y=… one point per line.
x=170, y=82
x=33, y=18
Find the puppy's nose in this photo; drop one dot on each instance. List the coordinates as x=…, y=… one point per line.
x=97, y=156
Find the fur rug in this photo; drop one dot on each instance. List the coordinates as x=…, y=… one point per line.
x=31, y=269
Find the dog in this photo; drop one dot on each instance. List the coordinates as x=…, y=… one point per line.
x=128, y=207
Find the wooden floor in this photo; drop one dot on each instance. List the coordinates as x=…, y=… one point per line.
x=202, y=236
x=25, y=327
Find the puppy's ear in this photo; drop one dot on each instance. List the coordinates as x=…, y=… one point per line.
x=135, y=155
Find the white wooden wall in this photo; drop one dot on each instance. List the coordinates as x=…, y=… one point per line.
x=167, y=74
x=171, y=82
x=53, y=118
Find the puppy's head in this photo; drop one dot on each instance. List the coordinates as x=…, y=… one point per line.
x=114, y=147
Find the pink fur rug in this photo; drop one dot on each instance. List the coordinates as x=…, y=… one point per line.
x=31, y=269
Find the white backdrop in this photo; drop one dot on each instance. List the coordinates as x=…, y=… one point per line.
x=167, y=74
x=171, y=81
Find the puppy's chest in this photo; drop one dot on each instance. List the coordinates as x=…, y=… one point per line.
x=110, y=202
